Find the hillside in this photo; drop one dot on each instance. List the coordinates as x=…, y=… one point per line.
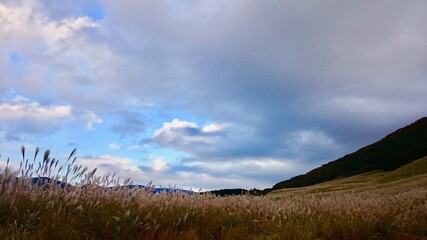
x=415, y=168
x=395, y=150
x=405, y=178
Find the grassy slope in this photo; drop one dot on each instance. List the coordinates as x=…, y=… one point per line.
x=418, y=167
x=409, y=176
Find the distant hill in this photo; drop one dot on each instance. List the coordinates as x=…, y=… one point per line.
x=46, y=182
x=395, y=150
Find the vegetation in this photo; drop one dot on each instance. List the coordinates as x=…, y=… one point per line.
x=395, y=150
x=93, y=210
x=416, y=168
x=410, y=176
x=235, y=191
x=229, y=192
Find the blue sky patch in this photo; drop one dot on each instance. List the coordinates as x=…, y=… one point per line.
x=94, y=11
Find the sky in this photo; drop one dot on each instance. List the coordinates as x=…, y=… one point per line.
x=208, y=94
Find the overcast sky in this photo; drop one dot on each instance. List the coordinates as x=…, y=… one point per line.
x=208, y=94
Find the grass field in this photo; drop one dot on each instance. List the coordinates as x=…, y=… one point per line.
x=408, y=177
x=369, y=206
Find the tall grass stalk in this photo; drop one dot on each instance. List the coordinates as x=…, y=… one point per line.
x=97, y=207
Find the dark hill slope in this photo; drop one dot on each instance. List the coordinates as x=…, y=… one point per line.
x=395, y=150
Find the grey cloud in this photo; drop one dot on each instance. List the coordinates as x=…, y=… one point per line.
x=328, y=55
x=24, y=119
x=271, y=68
x=21, y=118
x=131, y=123
x=111, y=167
x=23, y=130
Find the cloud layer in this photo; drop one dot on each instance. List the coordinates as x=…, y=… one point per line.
x=212, y=86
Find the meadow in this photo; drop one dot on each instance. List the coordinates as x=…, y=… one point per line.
x=377, y=205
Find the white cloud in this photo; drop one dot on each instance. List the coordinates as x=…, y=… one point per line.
x=134, y=147
x=214, y=127
x=159, y=164
x=91, y=118
x=114, y=146
x=106, y=164
x=312, y=137
x=23, y=23
x=175, y=124
x=183, y=134
x=19, y=110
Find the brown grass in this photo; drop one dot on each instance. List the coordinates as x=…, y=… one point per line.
x=96, y=212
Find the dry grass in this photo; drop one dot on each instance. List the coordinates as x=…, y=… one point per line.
x=410, y=176
x=94, y=212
